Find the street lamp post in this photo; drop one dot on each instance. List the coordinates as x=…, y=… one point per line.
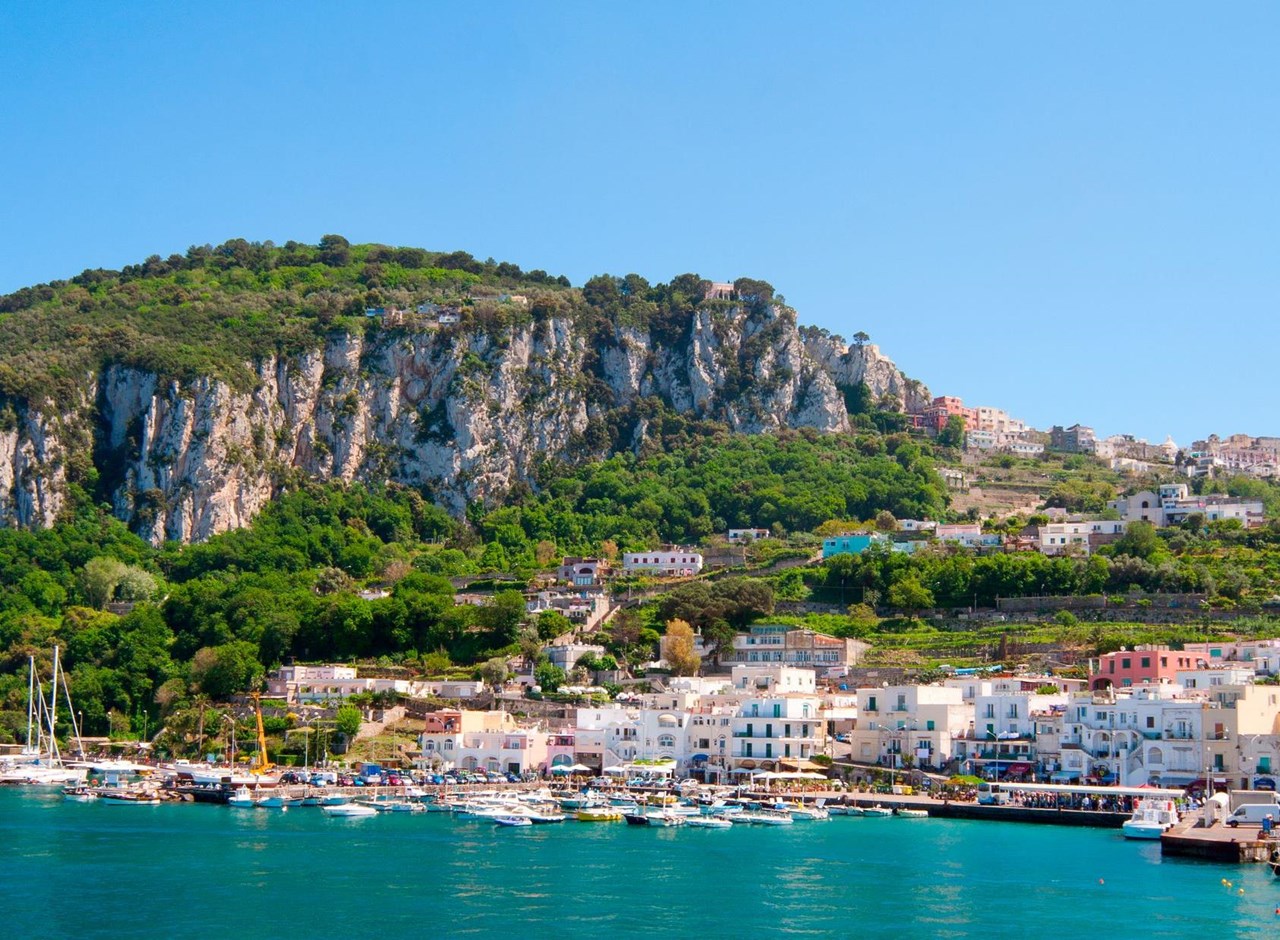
x=231, y=754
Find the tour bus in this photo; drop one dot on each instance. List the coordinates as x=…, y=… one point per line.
x=992, y=793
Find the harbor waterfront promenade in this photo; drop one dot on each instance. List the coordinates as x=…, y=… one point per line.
x=86, y=870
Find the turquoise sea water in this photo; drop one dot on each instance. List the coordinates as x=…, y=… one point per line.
x=87, y=870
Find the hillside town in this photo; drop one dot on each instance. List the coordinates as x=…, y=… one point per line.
x=992, y=430
x=1150, y=716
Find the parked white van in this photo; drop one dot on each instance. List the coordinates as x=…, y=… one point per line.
x=1252, y=814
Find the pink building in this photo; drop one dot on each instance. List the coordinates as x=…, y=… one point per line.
x=944, y=407
x=1143, y=665
x=560, y=750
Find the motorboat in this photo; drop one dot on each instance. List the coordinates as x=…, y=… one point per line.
x=513, y=821
x=709, y=822
x=907, y=812
x=598, y=814
x=242, y=798
x=636, y=819
x=720, y=808
x=841, y=810
x=773, y=819
x=407, y=806
x=1151, y=818
x=278, y=801
x=801, y=811
x=349, y=810
x=667, y=818
x=876, y=810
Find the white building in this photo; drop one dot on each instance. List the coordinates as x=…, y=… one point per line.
x=1020, y=448
x=775, y=731
x=1002, y=739
x=678, y=562
x=490, y=741
x=1171, y=504
x=1150, y=735
x=916, y=721
x=1058, y=537
x=566, y=655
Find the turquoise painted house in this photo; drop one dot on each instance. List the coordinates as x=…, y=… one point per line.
x=849, y=544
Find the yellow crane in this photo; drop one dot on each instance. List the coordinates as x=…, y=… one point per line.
x=262, y=764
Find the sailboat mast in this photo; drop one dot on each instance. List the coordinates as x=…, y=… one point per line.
x=53, y=712
x=75, y=724
x=31, y=699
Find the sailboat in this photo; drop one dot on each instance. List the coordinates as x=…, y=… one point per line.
x=40, y=762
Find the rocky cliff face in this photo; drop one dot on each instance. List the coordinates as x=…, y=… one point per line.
x=464, y=413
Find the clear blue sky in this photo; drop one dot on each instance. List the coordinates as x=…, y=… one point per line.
x=1068, y=210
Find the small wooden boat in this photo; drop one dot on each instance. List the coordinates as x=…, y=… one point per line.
x=129, y=798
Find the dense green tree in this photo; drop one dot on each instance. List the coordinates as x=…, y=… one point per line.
x=230, y=669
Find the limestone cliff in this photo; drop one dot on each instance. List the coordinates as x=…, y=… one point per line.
x=461, y=412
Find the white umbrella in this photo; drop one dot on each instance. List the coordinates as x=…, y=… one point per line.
x=615, y=770
x=580, y=769
x=561, y=769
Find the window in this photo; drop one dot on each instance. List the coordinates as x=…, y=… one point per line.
x=750, y=730
x=871, y=704
x=1264, y=764
x=1164, y=660
x=1126, y=664
x=777, y=709
x=704, y=743
x=786, y=731
x=768, y=750
x=928, y=726
x=666, y=740
x=1151, y=721
x=747, y=751
x=768, y=731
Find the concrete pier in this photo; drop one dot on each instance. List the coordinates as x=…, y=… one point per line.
x=1218, y=843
